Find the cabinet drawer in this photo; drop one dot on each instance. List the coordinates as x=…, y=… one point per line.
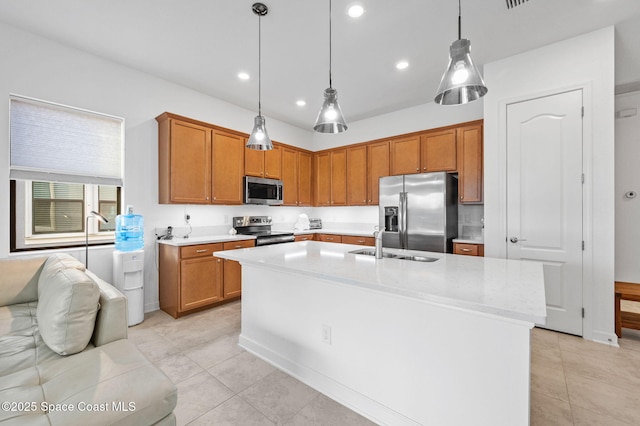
x=232, y=245
x=468, y=249
x=199, y=250
x=362, y=241
x=329, y=238
x=308, y=237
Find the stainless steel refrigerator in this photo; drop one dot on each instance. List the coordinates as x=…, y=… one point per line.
x=419, y=212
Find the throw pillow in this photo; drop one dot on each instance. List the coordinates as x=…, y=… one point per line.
x=67, y=308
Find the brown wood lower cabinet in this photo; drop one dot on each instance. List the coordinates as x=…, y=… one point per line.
x=329, y=238
x=361, y=241
x=191, y=278
x=468, y=249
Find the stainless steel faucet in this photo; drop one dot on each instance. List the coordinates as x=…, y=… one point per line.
x=377, y=234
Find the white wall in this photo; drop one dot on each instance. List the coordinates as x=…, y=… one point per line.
x=585, y=61
x=627, y=179
x=36, y=67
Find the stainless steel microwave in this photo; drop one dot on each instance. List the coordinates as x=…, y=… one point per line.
x=262, y=191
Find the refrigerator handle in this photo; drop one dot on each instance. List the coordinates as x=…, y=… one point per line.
x=403, y=220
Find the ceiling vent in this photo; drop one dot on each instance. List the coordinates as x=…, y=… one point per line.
x=513, y=3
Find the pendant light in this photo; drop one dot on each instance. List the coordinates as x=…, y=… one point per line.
x=461, y=82
x=330, y=118
x=259, y=138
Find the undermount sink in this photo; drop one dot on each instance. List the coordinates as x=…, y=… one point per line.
x=369, y=252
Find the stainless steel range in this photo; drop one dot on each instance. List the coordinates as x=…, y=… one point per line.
x=260, y=226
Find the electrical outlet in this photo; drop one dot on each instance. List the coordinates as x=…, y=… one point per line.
x=326, y=334
x=187, y=217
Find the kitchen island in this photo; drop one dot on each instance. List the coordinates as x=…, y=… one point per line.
x=399, y=341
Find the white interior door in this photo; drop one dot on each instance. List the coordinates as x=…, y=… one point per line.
x=544, y=199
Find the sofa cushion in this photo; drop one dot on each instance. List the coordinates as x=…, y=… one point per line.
x=115, y=380
x=67, y=306
x=55, y=263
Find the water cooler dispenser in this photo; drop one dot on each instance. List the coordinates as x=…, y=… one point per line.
x=128, y=263
x=128, y=277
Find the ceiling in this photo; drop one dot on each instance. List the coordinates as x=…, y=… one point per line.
x=204, y=44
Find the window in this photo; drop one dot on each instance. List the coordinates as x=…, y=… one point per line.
x=65, y=163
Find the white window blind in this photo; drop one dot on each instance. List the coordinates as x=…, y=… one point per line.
x=56, y=143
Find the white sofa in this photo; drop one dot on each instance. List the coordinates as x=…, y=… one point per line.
x=64, y=354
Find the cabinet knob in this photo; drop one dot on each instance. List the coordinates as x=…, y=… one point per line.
x=214, y=198
x=465, y=250
x=417, y=169
x=218, y=260
x=266, y=174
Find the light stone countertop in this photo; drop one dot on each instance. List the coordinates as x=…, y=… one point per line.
x=178, y=241
x=334, y=231
x=508, y=288
x=468, y=240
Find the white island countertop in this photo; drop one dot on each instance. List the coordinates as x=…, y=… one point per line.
x=508, y=288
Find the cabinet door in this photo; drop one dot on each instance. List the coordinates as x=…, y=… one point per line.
x=439, y=151
x=377, y=167
x=232, y=279
x=470, y=173
x=323, y=179
x=232, y=276
x=339, y=177
x=273, y=163
x=253, y=162
x=190, y=163
x=304, y=178
x=290, y=176
x=228, y=168
x=199, y=282
x=357, y=176
x=405, y=156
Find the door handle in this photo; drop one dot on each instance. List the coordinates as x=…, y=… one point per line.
x=515, y=239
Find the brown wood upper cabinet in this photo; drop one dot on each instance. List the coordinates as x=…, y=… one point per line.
x=198, y=163
x=365, y=165
x=228, y=168
x=438, y=151
x=296, y=177
x=377, y=167
x=331, y=178
x=265, y=164
x=470, y=172
x=184, y=159
x=357, y=194
x=431, y=151
x=405, y=155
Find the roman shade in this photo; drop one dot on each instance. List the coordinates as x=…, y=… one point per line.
x=56, y=143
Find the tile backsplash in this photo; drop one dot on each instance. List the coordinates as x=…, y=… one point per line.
x=471, y=221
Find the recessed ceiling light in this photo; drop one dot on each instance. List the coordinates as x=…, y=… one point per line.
x=243, y=76
x=355, y=11
x=402, y=65
x=300, y=103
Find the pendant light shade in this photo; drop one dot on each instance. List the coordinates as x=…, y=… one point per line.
x=330, y=118
x=461, y=82
x=259, y=138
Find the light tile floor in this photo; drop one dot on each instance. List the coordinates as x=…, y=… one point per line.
x=573, y=381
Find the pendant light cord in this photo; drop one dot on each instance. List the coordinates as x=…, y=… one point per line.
x=259, y=65
x=330, y=85
x=459, y=21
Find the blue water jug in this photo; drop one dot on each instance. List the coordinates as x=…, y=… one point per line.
x=129, y=231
